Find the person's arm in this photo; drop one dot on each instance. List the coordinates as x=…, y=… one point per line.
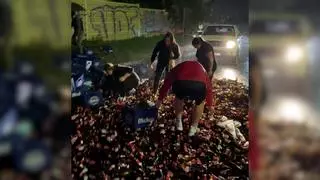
x=210, y=56
x=155, y=52
x=209, y=97
x=175, y=52
x=101, y=82
x=127, y=72
x=168, y=81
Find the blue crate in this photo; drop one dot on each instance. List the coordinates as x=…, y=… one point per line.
x=22, y=148
x=77, y=69
x=138, y=117
x=5, y=146
x=84, y=62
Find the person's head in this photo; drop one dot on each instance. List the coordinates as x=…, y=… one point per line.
x=197, y=42
x=169, y=39
x=108, y=69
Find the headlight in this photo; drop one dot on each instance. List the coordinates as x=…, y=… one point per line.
x=291, y=110
x=230, y=74
x=294, y=54
x=230, y=44
x=286, y=109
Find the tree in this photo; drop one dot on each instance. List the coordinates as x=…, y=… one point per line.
x=193, y=11
x=128, y=1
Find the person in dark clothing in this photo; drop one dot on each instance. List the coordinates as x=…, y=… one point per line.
x=205, y=55
x=189, y=81
x=119, y=80
x=167, y=51
x=78, y=33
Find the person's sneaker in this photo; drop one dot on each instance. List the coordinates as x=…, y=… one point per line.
x=179, y=125
x=192, y=131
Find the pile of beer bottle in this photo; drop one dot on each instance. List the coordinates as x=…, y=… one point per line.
x=103, y=147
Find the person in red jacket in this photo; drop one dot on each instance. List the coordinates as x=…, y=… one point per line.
x=258, y=97
x=189, y=81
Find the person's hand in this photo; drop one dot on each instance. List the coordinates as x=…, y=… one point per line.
x=123, y=78
x=211, y=109
x=152, y=66
x=171, y=64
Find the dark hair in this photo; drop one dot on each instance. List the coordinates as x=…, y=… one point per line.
x=197, y=41
x=170, y=35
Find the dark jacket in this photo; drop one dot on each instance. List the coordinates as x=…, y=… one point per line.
x=77, y=24
x=112, y=83
x=202, y=56
x=165, y=53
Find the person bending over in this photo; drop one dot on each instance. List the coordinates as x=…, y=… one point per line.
x=167, y=51
x=119, y=79
x=189, y=81
x=205, y=55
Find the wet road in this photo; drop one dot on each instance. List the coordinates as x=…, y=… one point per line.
x=188, y=52
x=282, y=79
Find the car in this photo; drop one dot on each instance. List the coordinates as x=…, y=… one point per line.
x=280, y=40
x=197, y=34
x=224, y=40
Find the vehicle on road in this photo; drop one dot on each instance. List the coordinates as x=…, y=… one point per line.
x=197, y=34
x=281, y=42
x=224, y=39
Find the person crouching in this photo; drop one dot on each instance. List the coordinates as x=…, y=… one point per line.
x=119, y=80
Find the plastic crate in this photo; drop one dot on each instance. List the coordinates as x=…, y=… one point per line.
x=5, y=146
x=139, y=117
x=31, y=156
x=87, y=63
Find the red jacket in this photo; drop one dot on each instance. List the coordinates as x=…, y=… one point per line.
x=187, y=70
x=253, y=144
